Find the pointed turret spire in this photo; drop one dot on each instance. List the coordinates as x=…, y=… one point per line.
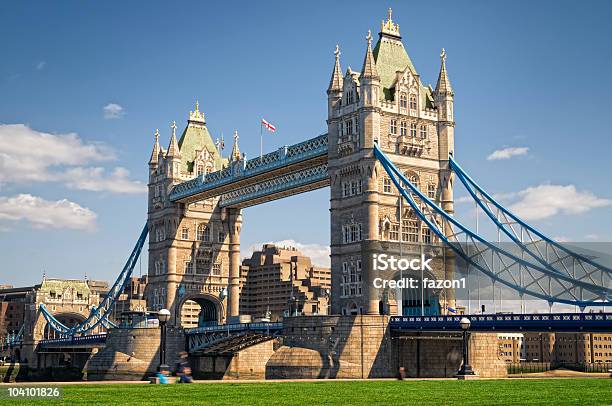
x=444, y=84
x=196, y=116
x=369, y=65
x=235, y=156
x=154, y=155
x=173, y=148
x=336, y=82
x=389, y=28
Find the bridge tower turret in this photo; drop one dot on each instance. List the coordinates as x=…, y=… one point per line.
x=444, y=98
x=386, y=103
x=189, y=244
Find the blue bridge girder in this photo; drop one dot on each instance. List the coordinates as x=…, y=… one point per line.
x=516, y=323
x=230, y=338
x=289, y=170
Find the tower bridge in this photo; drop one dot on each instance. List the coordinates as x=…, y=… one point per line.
x=389, y=160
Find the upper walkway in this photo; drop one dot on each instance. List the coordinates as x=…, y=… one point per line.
x=286, y=171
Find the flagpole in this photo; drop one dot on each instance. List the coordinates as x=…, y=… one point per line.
x=260, y=140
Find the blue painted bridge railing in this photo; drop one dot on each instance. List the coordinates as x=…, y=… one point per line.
x=73, y=341
x=554, y=322
x=229, y=338
x=234, y=328
x=283, y=157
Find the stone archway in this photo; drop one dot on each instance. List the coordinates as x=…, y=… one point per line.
x=199, y=311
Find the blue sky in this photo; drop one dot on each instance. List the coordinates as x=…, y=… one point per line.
x=532, y=76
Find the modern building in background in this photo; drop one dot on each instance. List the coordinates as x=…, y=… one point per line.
x=571, y=348
x=279, y=281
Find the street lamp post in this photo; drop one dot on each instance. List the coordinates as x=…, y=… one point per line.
x=163, y=316
x=466, y=368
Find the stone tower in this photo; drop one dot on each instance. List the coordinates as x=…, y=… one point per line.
x=385, y=103
x=194, y=248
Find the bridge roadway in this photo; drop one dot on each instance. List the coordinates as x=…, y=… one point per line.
x=230, y=338
x=287, y=171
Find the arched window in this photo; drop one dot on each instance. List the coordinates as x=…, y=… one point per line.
x=200, y=170
x=403, y=101
x=200, y=232
x=413, y=101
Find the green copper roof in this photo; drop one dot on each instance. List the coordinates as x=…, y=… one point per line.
x=60, y=285
x=391, y=56
x=196, y=138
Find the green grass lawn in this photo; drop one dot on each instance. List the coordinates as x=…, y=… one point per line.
x=497, y=392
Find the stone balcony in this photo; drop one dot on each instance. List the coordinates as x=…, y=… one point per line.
x=411, y=146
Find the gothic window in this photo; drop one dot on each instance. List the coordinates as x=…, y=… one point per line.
x=426, y=234
x=403, y=103
x=185, y=233
x=209, y=169
x=188, y=267
x=403, y=129
x=349, y=127
x=156, y=188
x=351, y=278
x=345, y=284
x=353, y=188
x=221, y=236
x=394, y=233
x=200, y=169
x=216, y=269
x=424, y=132
x=414, y=179
x=345, y=189
x=411, y=227
x=200, y=232
x=413, y=130
x=393, y=127
x=349, y=96
x=352, y=233
x=431, y=191
x=386, y=185
x=413, y=101
x=359, y=187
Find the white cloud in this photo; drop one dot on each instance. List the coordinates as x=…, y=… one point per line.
x=42, y=213
x=27, y=155
x=113, y=110
x=544, y=201
x=96, y=180
x=41, y=65
x=507, y=153
x=319, y=254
